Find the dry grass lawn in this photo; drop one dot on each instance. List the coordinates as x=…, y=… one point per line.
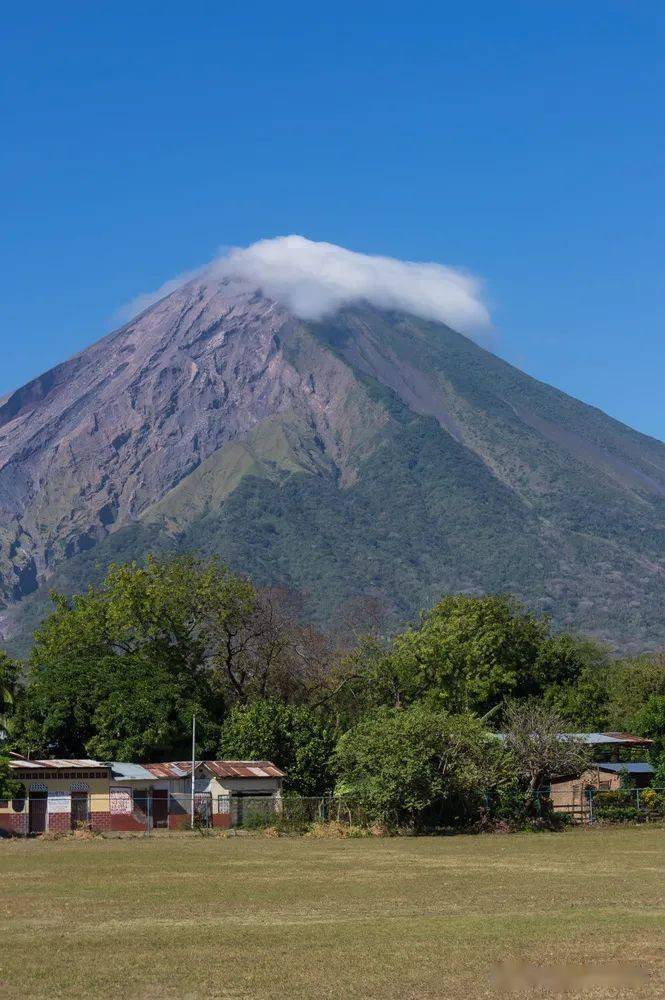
x=193, y=916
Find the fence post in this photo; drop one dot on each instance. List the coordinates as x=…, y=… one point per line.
x=637, y=799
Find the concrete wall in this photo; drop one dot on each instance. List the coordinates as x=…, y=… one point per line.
x=108, y=812
x=59, y=788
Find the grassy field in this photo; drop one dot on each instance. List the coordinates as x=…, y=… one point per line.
x=192, y=916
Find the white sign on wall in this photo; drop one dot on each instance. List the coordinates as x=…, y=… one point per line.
x=120, y=800
x=59, y=802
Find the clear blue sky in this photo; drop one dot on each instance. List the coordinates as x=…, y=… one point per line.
x=524, y=141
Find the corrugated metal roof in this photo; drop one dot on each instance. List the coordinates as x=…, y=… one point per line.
x=244, y=769
x=131, y=772
x=145, y=772
x=17, y=761
x=220, y=768
x=594, y=739
x=601, y=739
x=20, y=763
x=169, y=769
x=631, y=766
x=629, y=738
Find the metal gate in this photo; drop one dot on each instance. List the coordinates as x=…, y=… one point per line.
x=80, y=810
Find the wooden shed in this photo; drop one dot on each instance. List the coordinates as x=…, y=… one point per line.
x=571, y=795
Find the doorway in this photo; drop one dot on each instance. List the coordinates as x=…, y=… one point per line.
x=160, y=807
x=37, y=812
x=80, y=814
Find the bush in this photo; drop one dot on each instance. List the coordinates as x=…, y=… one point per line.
x=334, y=830
x=653, y=803
x=257, y=819
x=416, y=767
x=294, y=815
x=513, y=809
x=616, y=807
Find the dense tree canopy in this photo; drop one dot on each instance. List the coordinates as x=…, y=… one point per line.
x=469, y=654
x=406, y=765
x=293, y=736
x=118, y=672
x=122, y=668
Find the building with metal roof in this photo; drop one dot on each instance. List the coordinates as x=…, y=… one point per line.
x=17, y=762
x=130, y=772
x=219, y=768
x=630, y=767
x=58, y=795
x=223, y=786
x=572, y=795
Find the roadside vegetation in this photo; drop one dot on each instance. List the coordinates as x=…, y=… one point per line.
x=404, y=725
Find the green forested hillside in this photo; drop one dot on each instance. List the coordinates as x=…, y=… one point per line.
x=430, y=466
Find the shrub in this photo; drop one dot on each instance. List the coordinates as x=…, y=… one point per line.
x=514, y=809
x=334, y=830
x=416, y=767
x=653, y=802
x=257, y=819
x=619, y=806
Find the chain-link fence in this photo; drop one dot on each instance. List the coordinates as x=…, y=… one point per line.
x=144, y=810
x=619, y=805
x=626, y=805
x=295, y=813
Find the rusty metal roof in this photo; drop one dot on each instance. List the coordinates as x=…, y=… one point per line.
x=629, y=738
x=243, y=769
x=17, y=762
x=602, y=739
x=169, y=769
x=220, y=768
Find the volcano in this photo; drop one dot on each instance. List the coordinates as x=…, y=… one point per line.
x=370, y=454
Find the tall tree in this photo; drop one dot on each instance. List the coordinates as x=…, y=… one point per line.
x=120, y=670
x=468, y=654
x=138, y=642
x=291, y=736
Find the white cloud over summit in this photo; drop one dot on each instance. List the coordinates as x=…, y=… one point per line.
x=314, y=280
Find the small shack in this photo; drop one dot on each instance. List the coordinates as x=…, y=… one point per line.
x=60, y=795
x=570, y=794
x=223, y=789
x=56, y=795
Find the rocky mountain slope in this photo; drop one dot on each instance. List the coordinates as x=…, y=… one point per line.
x=371, y=454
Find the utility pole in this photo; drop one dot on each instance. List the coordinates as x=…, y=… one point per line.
x=193, y=765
